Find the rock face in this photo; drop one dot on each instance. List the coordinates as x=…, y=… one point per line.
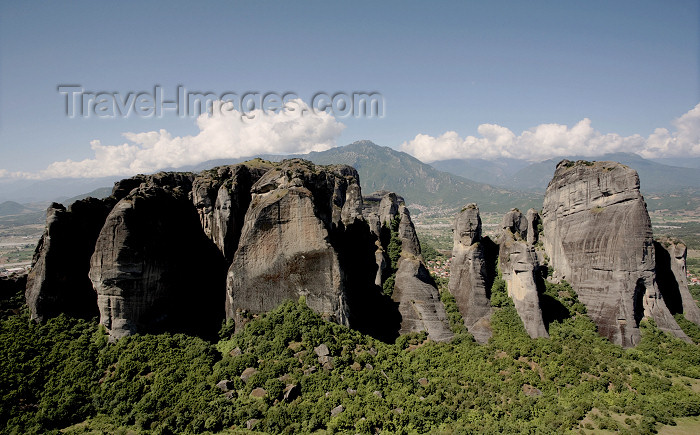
x=414, y=292
x=672, y=279
x=520, y=268
x=471, y=273
x=181, y=251
x=148, y=264
x=222, y=196
x=598, y=235
x=285, y=249
x=58, y=282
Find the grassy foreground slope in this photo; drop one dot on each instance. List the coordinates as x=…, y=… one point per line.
x=65, y=375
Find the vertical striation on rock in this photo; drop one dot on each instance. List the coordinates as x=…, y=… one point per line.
x=58, y=282
x=672, y=279
x=533, y=223
x=520, y=269
x=222, y=196
x=285, y=247
x=419, y=301
x=598, y=235
x=414, y=292
x=470, y=280
x=153, y=267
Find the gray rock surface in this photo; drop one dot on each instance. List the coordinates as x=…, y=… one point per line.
x=285, y=248
x=58, y=282
x=533, y=221
x=222, y=196
x=419, y=301
x=415, y=293
x=469, y=277
x=519, y=266
x=181, y=251
x=147, y=263
x=598, y=235
x=672, y=279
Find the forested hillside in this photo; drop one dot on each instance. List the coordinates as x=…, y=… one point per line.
x=304, y=375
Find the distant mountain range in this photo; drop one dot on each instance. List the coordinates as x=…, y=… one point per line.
x=655, y=176
x=496, y=185
x=9, y=208
x=419, y=183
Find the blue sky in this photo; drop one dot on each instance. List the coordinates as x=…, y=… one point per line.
x=458, y=78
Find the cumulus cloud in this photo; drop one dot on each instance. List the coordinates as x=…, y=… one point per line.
x=222, y=134
x=551, y=140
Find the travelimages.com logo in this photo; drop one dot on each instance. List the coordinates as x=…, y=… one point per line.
x=80, y=103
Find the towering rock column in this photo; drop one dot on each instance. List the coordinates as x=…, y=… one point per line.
x=598, y=235
x=672, y=279
x=414, y=290
x=415, y=294
x=469, y=274
x=58, y=282
x=519, y=266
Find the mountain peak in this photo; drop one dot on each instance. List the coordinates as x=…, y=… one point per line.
x=364, y=142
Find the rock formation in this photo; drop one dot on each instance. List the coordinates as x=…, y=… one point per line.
x=222, y=196
x=414, y=291
x=58, y=282
x=471, y=273
x=598, y=235
x=285, y=249
x=672, y=279
x=182, y=251
x=533, y=223
x=520, y=268
x=153, y=268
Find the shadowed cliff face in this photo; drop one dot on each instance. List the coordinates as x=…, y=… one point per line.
x=154, y=269
x=672, y=279
x=58, y=282
x=598, y=235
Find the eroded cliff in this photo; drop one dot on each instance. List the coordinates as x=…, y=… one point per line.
x=598, y=235
x=182, y=251
x=520, y=267
x=471, y=272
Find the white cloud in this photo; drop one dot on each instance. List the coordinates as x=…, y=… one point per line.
x=226, y=134
x=553, y=140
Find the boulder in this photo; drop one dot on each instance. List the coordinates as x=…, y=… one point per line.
x=258, y=393
x=337, y=410
x=291, y=392
x=322, y=350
